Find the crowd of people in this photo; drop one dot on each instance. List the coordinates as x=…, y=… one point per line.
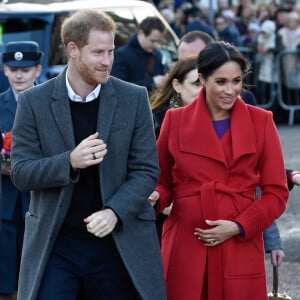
x=112, y=182
x=260, y=30
x=238, y=22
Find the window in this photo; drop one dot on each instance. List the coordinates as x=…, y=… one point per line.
x=21, y=29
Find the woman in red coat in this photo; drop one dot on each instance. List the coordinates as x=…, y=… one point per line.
x=214, y=153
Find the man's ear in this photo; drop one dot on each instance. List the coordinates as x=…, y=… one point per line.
x=72, y=50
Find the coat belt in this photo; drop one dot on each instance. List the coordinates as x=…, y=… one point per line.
x=207, y=193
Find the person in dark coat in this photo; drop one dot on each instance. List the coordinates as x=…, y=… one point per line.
x=140, y=61
x=22, y=65
x=226, y=28
x=194, y=21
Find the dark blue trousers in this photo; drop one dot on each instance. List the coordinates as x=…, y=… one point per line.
x=11, y=240
x=86, y=269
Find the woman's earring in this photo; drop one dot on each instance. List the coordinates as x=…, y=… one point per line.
x=175, y=100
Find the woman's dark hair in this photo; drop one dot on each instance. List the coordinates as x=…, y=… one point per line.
x=216, y=54
x=166, y=92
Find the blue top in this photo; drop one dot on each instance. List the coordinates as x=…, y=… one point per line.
x=221, y=126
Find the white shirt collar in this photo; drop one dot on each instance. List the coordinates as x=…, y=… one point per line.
x=76, y=98
x=16, y=94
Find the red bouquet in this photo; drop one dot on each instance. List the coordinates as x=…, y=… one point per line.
x=7, y=142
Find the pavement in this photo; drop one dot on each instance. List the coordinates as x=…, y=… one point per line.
x=289, y=222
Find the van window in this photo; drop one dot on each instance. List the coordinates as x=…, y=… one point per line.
x=22, y=29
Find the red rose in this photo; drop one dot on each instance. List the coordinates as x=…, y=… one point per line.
x=5, y=151
x=7, y=141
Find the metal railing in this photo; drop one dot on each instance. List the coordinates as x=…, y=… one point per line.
x=288, y=89
x=285, y=89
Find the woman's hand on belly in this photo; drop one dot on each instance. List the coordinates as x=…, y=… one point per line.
x=221, y=231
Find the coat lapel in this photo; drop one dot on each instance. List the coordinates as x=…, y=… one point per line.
x=8, y=107
x=106, y=112
x=242, y=131
x=196, y=138
x=62, y=114
x=10, y=102
x=61, y=110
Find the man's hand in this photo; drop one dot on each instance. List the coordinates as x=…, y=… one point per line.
x=101, y=223
x=277, y=256
x=89, y=152
x=153, y=198
x=6, y=168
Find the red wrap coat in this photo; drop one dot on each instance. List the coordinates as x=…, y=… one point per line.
x=208, y=178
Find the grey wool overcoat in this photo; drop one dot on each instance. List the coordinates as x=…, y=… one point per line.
x=42, y=141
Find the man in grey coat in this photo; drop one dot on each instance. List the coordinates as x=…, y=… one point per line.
x=84, y=145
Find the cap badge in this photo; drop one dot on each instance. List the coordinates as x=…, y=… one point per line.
x=18, y=55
